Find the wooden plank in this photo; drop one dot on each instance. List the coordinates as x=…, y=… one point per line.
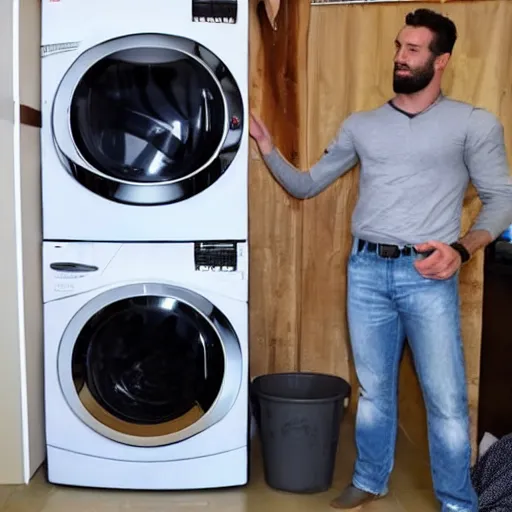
x=275, y=217
x=326, y=223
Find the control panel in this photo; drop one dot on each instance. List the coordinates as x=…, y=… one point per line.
x=216, y=256
x=214, y=11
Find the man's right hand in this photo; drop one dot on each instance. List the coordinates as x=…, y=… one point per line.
x=260, y=134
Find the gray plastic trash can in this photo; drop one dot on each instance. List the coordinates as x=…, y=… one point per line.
x=299, y=417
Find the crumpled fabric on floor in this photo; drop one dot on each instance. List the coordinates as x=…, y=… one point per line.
x=492, y=477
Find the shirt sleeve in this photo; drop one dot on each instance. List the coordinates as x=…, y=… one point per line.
x=486, y=160
x=339, y=157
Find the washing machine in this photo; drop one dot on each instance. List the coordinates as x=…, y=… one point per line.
x=146, y=364
x=144, y=120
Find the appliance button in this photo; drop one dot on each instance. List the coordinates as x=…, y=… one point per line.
x=235, y=122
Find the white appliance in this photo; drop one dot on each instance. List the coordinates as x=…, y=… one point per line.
x=146, y=364
x=145, y=120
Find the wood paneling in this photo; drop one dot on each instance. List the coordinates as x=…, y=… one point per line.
x=277, y=76
x=326, y=218
x=300, y=249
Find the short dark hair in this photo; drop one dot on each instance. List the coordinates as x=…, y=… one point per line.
x=443, y=28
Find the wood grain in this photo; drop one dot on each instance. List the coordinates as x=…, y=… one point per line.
x=326, y=218
x=307, y=75
x=275, y=218
x=272, y=8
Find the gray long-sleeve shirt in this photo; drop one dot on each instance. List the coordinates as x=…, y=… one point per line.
x=414, y=171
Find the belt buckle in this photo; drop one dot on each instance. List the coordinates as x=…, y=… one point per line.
x=389, y=251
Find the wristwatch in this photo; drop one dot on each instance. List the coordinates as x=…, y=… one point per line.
x=464, y=253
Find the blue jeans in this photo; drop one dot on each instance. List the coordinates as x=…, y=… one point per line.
x=388, y=301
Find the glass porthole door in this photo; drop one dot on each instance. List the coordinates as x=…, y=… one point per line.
x=147, y=119
x=149, y=365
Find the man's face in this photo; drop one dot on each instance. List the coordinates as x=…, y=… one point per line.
x=414, y=61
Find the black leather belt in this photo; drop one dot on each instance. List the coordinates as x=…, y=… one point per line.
x=386, y=250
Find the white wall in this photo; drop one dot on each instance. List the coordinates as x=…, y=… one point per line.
x=21, y=364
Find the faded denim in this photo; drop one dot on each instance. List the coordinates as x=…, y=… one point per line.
x=388, y=301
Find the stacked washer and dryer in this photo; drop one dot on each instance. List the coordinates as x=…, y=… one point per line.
x=145, y=255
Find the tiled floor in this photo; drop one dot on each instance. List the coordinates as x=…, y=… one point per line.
x=411, y=490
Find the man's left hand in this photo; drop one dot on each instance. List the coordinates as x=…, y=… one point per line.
x=443, y=263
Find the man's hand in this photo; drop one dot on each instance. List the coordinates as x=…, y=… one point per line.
x=260, y=134
x=441, y=264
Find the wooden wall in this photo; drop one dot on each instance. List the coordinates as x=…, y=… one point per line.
x=278, y=85
x=320, y=64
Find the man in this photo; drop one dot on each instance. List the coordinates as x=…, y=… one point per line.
x=418, y=153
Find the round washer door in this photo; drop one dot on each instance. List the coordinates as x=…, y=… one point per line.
x=149, y=364
x=147, y=119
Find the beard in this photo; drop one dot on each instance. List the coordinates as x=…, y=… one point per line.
x=416, y=81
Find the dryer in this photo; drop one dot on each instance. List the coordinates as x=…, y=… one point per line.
x=146, y=364
x=144, y=120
